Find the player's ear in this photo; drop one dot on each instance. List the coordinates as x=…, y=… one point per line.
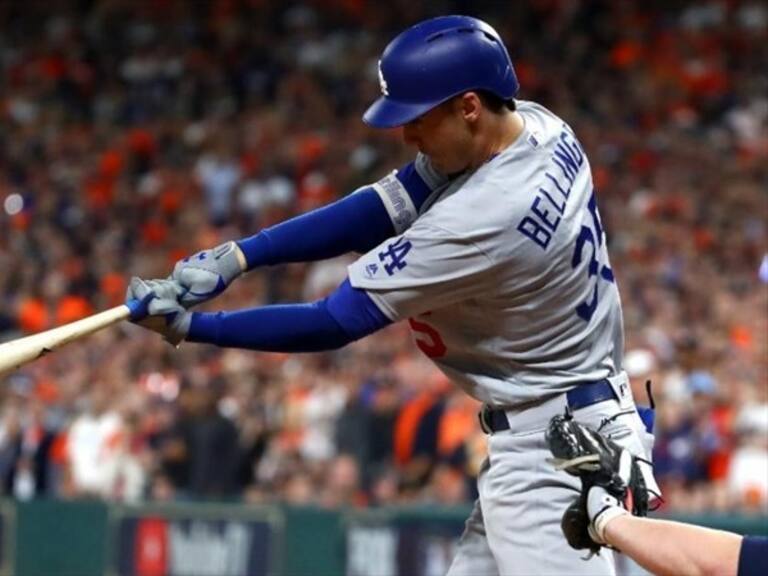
x=470, y=106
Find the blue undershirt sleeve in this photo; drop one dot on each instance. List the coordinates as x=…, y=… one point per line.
x=753, y=556
x=346, y=315
x=417, y=188
x=355, y=223
x=355, y=312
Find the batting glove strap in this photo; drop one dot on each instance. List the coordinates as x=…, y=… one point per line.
x=207, y=274
x=177, y=324
x=602, y=507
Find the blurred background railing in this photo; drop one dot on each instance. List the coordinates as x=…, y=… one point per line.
x=94, y=538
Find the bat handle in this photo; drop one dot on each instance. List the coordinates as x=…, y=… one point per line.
x=139, y=309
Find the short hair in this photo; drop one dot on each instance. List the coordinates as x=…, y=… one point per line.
x=495, y=103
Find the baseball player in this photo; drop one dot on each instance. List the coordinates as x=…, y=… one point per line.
x=606, y=513
x=490, y=244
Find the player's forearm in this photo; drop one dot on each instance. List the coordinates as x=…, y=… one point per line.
x=670, y=548
x=355, y=223
x=346, y=315
x=288, y=328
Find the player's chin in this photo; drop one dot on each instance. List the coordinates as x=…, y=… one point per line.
x=447, y=167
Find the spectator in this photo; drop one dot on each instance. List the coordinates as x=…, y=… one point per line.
x=93, y=444
x=212, y=447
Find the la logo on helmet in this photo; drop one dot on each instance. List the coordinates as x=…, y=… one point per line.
x=382, y=82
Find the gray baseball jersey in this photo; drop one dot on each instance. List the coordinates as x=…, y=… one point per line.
x=504, y=274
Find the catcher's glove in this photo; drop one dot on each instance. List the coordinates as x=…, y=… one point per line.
x=611, y=481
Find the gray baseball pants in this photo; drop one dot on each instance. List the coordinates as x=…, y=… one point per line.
x=514, y=528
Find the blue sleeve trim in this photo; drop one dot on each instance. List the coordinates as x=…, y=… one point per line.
x=355, y=312
x=753, y=556
x=356, y=223
x=346, y=315
x=417, y=189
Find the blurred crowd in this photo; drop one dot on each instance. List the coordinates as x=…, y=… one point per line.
x=135, y=133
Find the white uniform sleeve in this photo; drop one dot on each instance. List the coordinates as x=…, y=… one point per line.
x=427, y=268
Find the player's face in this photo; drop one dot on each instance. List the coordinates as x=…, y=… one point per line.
x=444, y=135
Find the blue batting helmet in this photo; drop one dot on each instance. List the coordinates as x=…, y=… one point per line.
x=435, y=60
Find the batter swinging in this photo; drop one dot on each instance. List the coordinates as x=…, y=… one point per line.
x=491, y=243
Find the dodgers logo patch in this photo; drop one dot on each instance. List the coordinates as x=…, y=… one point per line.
x=382, y=82
x=393, y=257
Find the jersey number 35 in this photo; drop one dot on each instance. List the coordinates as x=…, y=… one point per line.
x=591, y=234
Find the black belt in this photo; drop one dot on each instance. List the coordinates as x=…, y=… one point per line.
x=583, y=395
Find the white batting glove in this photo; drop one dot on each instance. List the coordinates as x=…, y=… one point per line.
x=207, y=274
x=601, y=509
x=164, y=313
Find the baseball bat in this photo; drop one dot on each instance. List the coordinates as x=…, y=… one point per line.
x=22, y=350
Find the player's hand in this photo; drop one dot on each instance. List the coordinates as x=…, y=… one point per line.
x=611, y=480
x=163, y=314
x=602, y=507
x=207, y=274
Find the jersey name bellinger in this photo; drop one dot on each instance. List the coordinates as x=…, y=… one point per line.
x=542, y=219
